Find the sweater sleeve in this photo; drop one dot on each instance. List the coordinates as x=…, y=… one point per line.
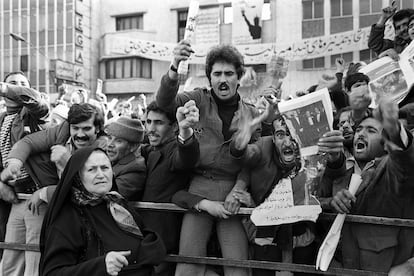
x=167, y=93
x=29, y=98
x=186, y=156
x=38, y=142
x=376, y=40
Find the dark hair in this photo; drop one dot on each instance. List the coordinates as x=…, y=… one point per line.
x=354, y=78
x=402, y=14
x=312, y=88
x=17, y=73
x=410, y=19
x=155, y=108
x=82, y=112
x=338, y=115
x=225, y=53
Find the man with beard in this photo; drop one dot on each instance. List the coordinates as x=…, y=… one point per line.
x=124, y=137
x=270, y=160
x=216, y=172
x=25, y=109
x=386, y=190
x=376, y=40
x=170, y=159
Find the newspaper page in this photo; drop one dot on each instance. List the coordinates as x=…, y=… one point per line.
x=308, y=118
x=189, y=33
x=390, y=78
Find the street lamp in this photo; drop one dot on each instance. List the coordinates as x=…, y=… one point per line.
x=17, y=37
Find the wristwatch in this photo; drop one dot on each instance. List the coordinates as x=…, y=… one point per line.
x=173, y=68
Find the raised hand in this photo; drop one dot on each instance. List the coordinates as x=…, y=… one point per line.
x=340, y=65
x=387, y=114
x=332, y=143
x=387, y=13
x=187, y=115
x=182, y=51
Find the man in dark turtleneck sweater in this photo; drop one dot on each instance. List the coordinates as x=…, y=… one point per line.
x=216, y=172
x=25, y=108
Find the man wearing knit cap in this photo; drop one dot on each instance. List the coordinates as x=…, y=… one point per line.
x=125, y=135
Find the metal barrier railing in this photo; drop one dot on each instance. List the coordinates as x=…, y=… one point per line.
x=286, y=266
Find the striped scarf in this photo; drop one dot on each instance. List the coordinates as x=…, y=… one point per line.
x=5, y=142
x=114, y=201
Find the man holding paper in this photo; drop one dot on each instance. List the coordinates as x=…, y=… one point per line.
x=386, y=190
x=277, y=188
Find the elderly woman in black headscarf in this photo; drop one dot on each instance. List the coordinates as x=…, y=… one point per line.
x=89, y=228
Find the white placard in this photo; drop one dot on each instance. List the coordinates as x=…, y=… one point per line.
x=279, y=207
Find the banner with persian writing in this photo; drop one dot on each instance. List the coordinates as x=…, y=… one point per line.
x=253, y=53
x=208, y=31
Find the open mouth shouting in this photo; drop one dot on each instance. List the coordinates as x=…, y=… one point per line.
x=223, y=87
x=360, y=145
x=288, y=154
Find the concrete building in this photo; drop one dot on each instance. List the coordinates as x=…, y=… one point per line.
x=72, y=41
x=52, y=41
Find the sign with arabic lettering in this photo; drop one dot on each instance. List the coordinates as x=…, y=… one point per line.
x=253, y=53
x=207, y=31
x=280, y=207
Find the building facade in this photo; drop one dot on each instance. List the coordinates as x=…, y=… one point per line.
x=283, y=21
x=54, y=42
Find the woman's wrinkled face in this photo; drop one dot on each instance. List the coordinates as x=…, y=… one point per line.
x=96, y=175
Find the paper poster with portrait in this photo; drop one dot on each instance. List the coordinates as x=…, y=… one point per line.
x=390, y=78
x=308, y=118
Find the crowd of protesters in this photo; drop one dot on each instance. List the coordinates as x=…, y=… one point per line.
x=68, y=172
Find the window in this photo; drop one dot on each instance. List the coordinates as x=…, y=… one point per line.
x=130, y=22
x=313, y=63
x=182, y=21
x=367, y=55
x=260, y=68
x=348, y=57
x=312, y=9
x=405, y=4
x=341, y=8
x=228, y=15
x=24, y=63
x=266, y=10
x=128, y=68
x=370, y=6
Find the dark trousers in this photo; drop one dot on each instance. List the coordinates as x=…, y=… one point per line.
x=4, y=217
x=301, y=255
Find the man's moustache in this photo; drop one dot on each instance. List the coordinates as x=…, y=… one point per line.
x=86, y=138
